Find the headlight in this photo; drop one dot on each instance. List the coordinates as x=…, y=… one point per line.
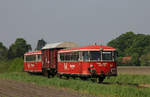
x=111, y=65
x=91, y=65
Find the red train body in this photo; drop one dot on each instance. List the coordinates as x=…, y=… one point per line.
x=85, y=62
x=94, y=61
x=33, y=62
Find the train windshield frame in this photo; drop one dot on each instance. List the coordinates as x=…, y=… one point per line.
x=91, y=56
x=32, y=58
x=99, y=56
x=107, y=56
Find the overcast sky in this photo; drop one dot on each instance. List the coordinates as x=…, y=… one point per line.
x=80, y=21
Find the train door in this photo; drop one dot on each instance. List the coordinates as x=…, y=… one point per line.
x=85, y=62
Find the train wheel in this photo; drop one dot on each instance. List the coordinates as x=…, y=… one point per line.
x=74, y=77
x=60, y=76
x=83, y=78
x=100, y=79
x=67, y=77
x=46, y=73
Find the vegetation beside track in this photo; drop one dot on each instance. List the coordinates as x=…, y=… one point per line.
x=14, y=65
x=123, y=85
x=120, y=86
x=130, y=79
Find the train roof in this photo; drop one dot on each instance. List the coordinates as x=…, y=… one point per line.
x=60, y=45
x=89, y=48
x=33, y=53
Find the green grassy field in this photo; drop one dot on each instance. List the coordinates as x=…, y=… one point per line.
x=124, y=85
x=120, y=86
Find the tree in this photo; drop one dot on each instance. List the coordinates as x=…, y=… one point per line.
x=3, y=52
x=135, y=60
x=133, y=45
x=41, y=43
x=146, y=50
x=140, y=44
x=122, y=42
x=18, y=48
x=145, y=59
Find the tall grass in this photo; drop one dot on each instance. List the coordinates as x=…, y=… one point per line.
x=110, y=87
x=133, y=79
x=14, y=65
x=4, y=66
x=102, y=90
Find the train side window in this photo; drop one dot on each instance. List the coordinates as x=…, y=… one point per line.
x=38, y=57
x=24, y=58
x=28, y=58
x=86, y=56
x=62, y=57
x=69, y=57
x=76, y=56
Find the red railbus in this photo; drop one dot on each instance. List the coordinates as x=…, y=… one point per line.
x=93, y=61
x=33, y=61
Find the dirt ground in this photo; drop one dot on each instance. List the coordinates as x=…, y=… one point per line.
x=9, y=88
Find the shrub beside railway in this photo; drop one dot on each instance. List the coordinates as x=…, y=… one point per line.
x=14, y=65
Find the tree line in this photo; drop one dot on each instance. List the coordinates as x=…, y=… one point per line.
x=134, y=46
x=17, y=49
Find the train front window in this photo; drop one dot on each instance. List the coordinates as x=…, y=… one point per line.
x=91, y=56
x=95, y=56
x=30, y=58
x=107, y=56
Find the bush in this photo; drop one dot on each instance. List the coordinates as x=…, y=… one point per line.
x=145, y=59
x=16, y=65
x=3, y=66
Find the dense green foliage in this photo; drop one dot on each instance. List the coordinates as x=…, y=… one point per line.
x=13, y=65
x=134, y=45
x=4, y=65
x=16, y=65
x=145, y=59
x=3, y=52
x=41, y=43
x=109, y=89
x=18, y=48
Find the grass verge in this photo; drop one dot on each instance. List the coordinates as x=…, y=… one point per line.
x=100, y=90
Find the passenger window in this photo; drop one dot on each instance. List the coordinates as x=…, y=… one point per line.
x=85, y=56
x=38, y=57
x=69, y=57
x=62, y=57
